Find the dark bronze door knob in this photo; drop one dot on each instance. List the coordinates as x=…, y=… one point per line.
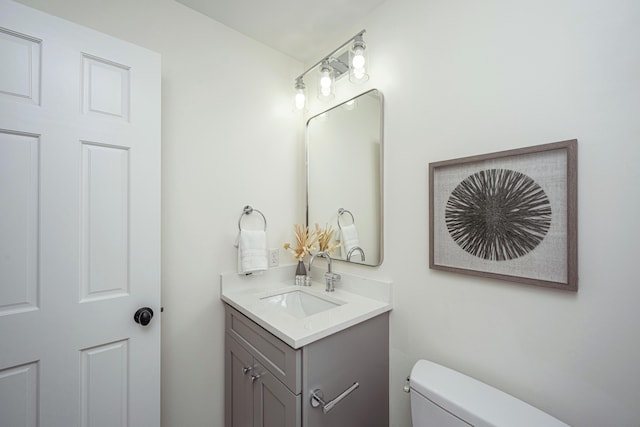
x=143, y=316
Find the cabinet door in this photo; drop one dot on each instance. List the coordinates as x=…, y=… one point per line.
x=274, y=404
x=238, y=385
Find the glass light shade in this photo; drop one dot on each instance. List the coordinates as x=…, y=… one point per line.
x=358, y=61
x=300, y=96
x=326, y=83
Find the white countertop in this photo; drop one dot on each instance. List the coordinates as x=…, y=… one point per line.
x=360, y=299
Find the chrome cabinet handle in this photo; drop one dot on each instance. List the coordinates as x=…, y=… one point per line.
x=246, y=370
x=254, y=377
x=317, y=398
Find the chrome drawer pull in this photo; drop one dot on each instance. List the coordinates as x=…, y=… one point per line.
x=317, y=398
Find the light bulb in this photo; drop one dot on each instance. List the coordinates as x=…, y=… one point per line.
x=299, y=100
x=325, y=80
x=358, y=59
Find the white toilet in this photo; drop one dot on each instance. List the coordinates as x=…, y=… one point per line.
x=442, y=397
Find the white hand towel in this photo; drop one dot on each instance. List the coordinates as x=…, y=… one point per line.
x=252, y=251
x=349, y=237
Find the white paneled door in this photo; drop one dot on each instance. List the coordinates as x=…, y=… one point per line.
x=79, y=225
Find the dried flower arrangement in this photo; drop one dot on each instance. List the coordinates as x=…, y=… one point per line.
x=305, y=240
x=324, y=239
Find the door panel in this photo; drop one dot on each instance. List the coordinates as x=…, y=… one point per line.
x=20, y=71
x=79, y=225
x=106, y=87
x=105, y=221
x=103, y=390
x=18, y=395
x=19, y=199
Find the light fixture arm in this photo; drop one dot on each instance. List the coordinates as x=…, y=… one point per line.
x=326, y=58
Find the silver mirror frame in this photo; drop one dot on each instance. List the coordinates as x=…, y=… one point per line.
x=380, y=239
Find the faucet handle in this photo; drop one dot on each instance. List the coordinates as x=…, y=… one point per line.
x=332, y=276
x=330, y=280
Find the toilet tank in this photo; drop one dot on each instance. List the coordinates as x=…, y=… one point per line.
x=442, y=397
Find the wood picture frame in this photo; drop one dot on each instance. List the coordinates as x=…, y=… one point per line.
x=509, y=215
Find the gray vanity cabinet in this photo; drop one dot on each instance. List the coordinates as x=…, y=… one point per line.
x=269, y=384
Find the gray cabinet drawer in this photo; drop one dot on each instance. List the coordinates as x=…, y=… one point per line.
x=281, y=360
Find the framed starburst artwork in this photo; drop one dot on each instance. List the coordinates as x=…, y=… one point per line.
x=509, y=215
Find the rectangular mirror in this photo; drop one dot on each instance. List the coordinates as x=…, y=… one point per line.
x=344, y=176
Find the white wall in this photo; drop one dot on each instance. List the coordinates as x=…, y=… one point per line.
x=463, y=78
x=459, y=78
x=228, y=139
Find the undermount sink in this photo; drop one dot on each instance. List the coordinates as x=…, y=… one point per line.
x=300, y=304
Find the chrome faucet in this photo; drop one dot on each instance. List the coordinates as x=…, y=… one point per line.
x=329, y=277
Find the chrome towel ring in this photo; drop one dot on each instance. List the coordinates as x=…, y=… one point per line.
x=248, y=210
x=341, y=212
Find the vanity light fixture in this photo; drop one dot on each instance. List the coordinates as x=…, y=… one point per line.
x=335, y=65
